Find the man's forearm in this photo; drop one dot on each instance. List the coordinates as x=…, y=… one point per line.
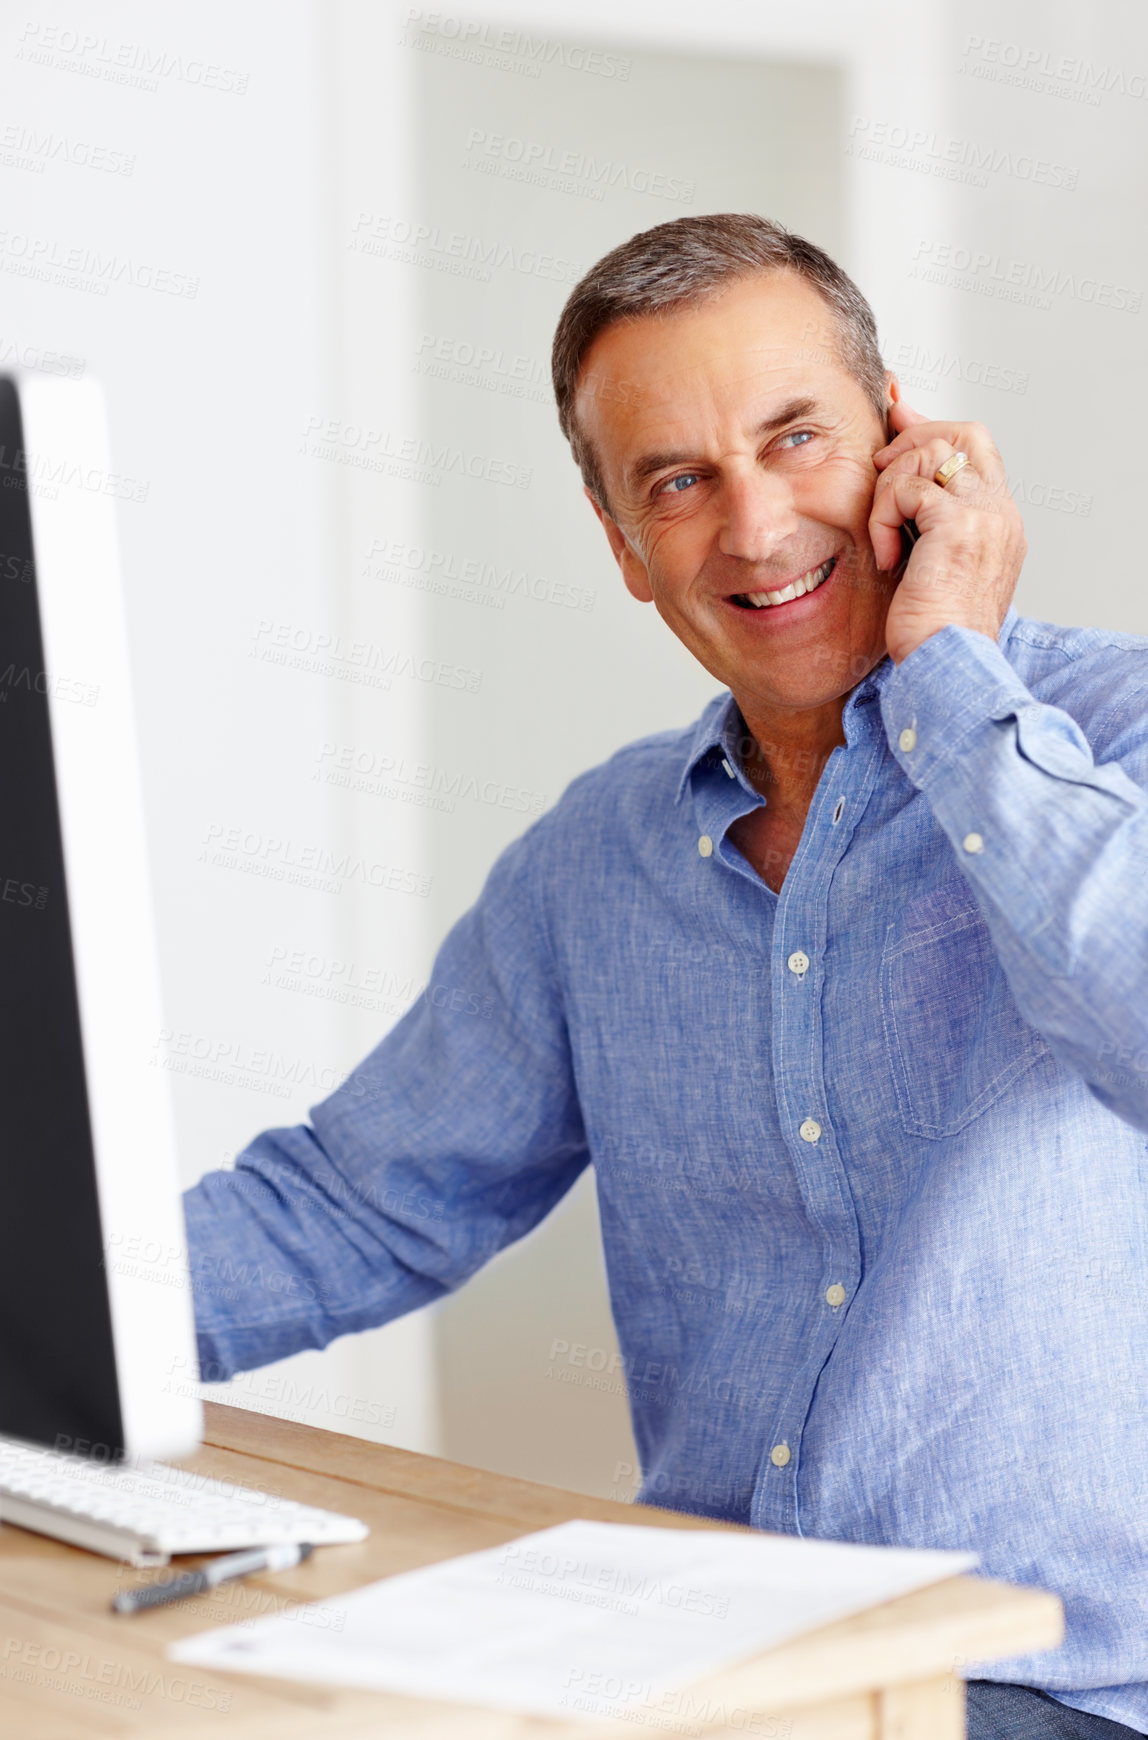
x=281, y=1259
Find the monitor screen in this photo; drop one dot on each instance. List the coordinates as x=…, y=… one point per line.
x=72, y=1354
x=57, y=1362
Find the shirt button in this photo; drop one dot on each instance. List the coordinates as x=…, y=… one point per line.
x=798, y=962
x=908, y=739
x=810, y=1131
x=835, y=1295
x=705, y=846
x=973, y=843
x=779, y=1455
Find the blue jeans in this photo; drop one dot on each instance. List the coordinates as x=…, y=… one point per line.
x=1001, y=1712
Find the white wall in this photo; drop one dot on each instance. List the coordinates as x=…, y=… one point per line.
x=1076, y=257
x=220, y=165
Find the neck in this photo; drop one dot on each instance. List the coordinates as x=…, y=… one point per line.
x=787, y=751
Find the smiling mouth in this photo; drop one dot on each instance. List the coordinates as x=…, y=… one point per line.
x=796, y=589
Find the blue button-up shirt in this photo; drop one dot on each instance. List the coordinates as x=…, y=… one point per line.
x=870, y=1152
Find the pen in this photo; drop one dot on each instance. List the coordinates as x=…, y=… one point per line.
x=218, y=1571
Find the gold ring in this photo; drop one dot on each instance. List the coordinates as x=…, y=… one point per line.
x=945, y=473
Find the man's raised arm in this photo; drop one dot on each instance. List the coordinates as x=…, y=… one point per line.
x=1055, y=846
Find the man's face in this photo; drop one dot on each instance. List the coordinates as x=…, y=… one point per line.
x=736, y=453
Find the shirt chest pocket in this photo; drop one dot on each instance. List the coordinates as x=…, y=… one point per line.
x=955, y=1038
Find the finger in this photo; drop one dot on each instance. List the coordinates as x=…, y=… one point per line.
x=966, y=484
x=971, y=438
x=905, y=497
x=923, y=461
x=903, y=416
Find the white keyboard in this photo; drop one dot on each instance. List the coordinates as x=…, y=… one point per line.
x=144, y=1511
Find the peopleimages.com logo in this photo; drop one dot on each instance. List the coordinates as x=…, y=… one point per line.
x=1028, y=67
x=1035, y=285
x=138, y=64
x=506, y=49
x=568, y=170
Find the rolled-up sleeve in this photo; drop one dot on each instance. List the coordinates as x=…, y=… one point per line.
x=1054, y=845
x=453, y=1138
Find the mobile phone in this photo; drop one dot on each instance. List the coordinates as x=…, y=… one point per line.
x=909, y=536
x=909, y=532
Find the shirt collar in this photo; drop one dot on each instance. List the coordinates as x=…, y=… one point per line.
x=715, y=737
x=718, y=732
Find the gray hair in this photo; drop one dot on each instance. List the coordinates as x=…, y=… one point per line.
x=681, y=262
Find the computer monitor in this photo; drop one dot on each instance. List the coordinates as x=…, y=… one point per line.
x=95, y=1299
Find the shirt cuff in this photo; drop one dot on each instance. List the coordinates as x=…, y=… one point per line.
x=954, y=681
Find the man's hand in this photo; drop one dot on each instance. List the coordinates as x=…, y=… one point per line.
x=966, y=563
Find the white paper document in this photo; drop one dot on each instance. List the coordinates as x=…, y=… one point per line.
x=587, y=1619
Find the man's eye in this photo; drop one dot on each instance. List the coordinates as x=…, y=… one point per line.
x=677, y=485
x=798, y=436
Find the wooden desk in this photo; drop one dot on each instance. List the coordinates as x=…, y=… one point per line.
x=71, y=1667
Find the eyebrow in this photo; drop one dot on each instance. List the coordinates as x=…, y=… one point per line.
x=654, y=462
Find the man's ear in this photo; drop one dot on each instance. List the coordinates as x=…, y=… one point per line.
x=633, y=569
x=892, y=395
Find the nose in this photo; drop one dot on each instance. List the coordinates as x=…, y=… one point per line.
x=758, y=515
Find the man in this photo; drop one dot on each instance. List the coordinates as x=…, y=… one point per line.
x=839, y=990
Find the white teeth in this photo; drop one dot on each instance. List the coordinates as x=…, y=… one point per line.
x=796, y=588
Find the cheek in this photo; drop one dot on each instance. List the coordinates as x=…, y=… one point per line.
x=668, y=548
x=838, y=493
